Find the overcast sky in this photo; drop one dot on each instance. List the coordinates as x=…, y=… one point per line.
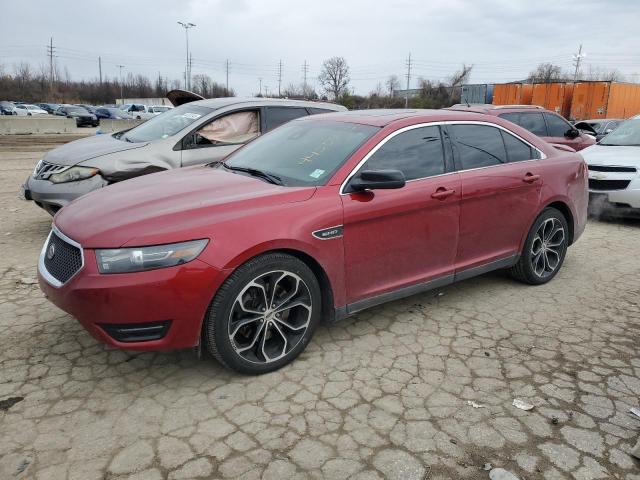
x=503, y=39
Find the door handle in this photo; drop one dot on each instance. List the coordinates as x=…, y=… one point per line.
x=442, y=193
x=530, y=178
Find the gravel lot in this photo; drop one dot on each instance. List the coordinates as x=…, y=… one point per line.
x=386, y=394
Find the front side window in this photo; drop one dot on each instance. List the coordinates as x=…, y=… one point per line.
x=534, y=122
x=232, y=129
x=557, y=126
x=303, y=153
x=479, y=146
x=417, y=153
x=277, y=116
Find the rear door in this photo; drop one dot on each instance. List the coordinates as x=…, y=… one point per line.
x=397, y=238
x=501, y=182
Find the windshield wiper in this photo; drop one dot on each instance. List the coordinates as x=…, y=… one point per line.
x=269, y=177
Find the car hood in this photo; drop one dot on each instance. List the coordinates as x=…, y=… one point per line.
x=611, y=155
x=78, y=151
x=177, y=205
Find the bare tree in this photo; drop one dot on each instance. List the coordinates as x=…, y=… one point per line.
x=393, y=84
x=602, y=74
x=461, y=76
x=334, y=76
x=546, y=73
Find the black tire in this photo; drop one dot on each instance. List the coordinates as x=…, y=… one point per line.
x=531, y=268
x=218, y=322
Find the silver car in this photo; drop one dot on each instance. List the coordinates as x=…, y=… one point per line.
x=193, y=133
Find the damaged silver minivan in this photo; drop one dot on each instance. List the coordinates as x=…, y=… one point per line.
x=195, y=132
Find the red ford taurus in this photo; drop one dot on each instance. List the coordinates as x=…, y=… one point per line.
x=319, y=219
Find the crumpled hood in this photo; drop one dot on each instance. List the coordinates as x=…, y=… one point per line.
x=611, y=155
x=78, y=151
x=172, y=206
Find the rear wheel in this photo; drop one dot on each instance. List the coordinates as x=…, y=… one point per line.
x=264, y=314
x=544, y=250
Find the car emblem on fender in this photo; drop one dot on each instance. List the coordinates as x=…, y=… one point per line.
x=51, y=251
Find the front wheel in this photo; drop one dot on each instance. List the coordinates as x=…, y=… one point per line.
x=264, y=315
x=544, y=250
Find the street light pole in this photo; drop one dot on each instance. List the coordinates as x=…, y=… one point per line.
x=121, y=95
x=187, y=71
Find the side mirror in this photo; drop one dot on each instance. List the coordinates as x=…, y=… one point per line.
x=572, y=133
x=377, y=179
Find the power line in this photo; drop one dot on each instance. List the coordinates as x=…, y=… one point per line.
x=305, y=70
x=50, y=52
x=279, y=77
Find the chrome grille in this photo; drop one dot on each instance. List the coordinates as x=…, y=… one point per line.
x=45, y=169
x=60, y=259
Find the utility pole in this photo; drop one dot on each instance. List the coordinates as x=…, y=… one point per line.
x=227, y=68
x=305, y=70
x=50, y=52
x=279, y=77
x=187, y=71
x=577, y=58
x=121, y=94
x=260, y=80
x=406, y=94
x=100, y=69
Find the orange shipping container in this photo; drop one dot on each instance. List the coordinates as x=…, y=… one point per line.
x=512, y=94
x=553, y=96
x=605, y=100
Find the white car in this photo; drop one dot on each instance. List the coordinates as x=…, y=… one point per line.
x=28, y=110
x=614, y=170
x=144, y=112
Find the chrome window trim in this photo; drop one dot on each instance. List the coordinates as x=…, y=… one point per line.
x=433, y=124
x=41, y=267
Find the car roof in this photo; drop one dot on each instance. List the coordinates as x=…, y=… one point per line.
x=384, y=117
x=257, y=101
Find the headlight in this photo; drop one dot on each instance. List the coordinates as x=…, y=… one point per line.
x=74, y=173
x=125, y=260
x=37, y=167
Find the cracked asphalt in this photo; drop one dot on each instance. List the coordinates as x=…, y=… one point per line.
x=420, y=388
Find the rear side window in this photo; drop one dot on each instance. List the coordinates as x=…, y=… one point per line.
x=517, y=150
x=534, y=122
x=479, y=146
x=276, y=116
x=557, y=126
x=512, y=117
x=417, y=153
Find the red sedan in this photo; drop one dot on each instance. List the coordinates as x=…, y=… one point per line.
x=319, y=219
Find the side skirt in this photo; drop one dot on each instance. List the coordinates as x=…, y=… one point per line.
x=347, y=310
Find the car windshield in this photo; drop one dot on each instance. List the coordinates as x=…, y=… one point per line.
x=628, y=133
x=167, y=125
x=75, y=110
x=302, y=153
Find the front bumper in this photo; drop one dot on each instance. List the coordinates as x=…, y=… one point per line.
x=175, y=298
x=53, y=196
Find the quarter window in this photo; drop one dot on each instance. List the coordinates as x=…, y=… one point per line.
x=479, y=146
x=417, y=153
x=556, y=125
x=517, y=150
x=276, y=116
x=534, y=122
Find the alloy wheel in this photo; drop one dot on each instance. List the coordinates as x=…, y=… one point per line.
x=270, y=316
x=547, y=247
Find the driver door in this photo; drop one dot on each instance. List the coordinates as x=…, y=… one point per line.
x=216, y=139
